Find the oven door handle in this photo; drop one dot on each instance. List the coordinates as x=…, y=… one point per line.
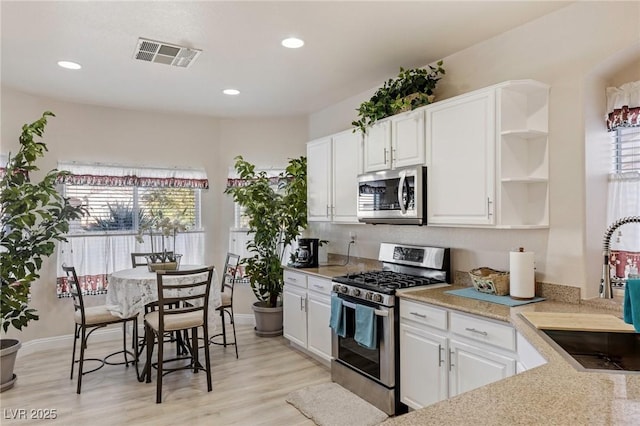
x=378, y=312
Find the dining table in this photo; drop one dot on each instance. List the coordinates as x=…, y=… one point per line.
x=130, y=290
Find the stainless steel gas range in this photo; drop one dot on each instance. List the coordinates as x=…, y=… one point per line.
x=374, y=373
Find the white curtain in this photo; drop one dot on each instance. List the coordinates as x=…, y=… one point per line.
x=624, y=200
x=95, y=257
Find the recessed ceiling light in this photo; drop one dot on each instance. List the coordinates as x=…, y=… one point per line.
x=292, y=42
x=69, y=65
x=231, y=92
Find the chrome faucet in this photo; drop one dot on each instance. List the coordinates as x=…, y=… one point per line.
x=606, y=291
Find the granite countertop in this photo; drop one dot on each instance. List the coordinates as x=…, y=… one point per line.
x=339, y=265
x=554, y=393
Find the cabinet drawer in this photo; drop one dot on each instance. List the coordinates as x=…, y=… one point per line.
x=423, y=314
x=501, y=335
x=319, y=284
x=295, y=278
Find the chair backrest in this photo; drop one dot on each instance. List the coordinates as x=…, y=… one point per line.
x=140, y=259
x=75, y=290
x=230, y=272
x=182, y=292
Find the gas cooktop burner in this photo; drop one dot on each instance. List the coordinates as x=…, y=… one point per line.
x=384, y=281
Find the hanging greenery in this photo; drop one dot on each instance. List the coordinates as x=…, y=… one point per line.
x=411, y=89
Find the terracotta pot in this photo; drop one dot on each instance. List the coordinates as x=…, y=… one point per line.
x=268, y=319
x=8, y=352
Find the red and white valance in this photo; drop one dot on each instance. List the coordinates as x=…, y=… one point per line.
x=623, y=106
x=234, y=180
x=115, y=175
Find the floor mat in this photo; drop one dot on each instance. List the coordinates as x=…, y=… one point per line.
x=329, y=404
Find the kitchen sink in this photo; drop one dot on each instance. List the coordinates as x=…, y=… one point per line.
x=599, y=350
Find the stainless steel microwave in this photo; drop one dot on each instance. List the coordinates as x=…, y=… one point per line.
x=393, y=196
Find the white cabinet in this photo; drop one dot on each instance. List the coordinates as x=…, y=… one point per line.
x=461, y=160
x=294, y=311
x=472, y=366
x=396, y=142
x=333, y=164
x=487, y=157
x=423, y=381
x=306, y=312
x=444, y=353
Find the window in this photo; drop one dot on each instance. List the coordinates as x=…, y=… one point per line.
x=626, y=149
x=623, y=123
x=119, y=201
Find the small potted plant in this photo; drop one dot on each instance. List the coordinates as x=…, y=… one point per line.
x=156, y=223
x=412, y=88
x=33, y=216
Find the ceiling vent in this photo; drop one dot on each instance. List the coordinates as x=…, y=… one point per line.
x=165, y=53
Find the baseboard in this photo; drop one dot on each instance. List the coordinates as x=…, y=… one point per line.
x=66, y=341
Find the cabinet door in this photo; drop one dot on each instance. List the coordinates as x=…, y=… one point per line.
x=347, y=165
x=377, y=147
x=407, y=139
x=294, y=315
x=472, y=367
x=461, y=161
x=319, y=180
x=423, y=368
x=319, y=333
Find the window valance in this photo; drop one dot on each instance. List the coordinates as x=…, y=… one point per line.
x=623, y=106
x=115, y=175
x=234, y=180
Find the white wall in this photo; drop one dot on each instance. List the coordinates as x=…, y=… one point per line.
x=560, y=49
x=98, y=134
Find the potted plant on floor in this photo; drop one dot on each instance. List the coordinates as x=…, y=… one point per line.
x=277, y=214
x=33, y=217
x=409, y=90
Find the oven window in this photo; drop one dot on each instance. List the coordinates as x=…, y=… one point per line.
x=356, y=356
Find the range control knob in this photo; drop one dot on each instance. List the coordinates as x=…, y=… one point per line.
x=377, y=298
x=336, y=288
x=356, y=292
x=368, y=295
x=344, y=289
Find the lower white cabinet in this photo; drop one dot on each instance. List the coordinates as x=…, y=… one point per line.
x=306, y=312
x=444, y=353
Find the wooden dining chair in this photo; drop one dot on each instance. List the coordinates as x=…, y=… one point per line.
x=89, y=319
x=229, y=276
x=183, y=303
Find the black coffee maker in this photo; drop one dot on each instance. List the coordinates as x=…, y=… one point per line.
x=307, y=253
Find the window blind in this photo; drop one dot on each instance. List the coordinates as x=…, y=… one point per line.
x=626, y=149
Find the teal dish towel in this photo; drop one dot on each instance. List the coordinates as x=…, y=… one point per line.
x=632, y=303
x=337, y=321
x=366, y=334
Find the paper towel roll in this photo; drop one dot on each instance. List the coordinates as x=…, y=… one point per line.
x=522, y=284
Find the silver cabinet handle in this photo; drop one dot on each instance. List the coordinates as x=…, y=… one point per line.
x=451, y=353
x=301, y=301
x=440, y=350
x=489, y=202
x=328, y=207
x=318, y=286
x=473, y=330
x=385, y=156
x=418, y=315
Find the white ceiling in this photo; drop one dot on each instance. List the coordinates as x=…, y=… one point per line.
x=350, y=47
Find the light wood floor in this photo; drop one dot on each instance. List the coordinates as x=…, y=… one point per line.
x=247, y=391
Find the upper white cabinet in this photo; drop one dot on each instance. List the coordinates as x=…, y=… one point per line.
x=487, y=157
x=333, y=164
x=461, y=160
x=319, y=180
x=395, y=142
